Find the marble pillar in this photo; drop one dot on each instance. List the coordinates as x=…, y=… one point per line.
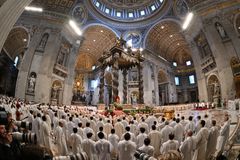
x=10, y=11
x=44, y=80
x=24, y=69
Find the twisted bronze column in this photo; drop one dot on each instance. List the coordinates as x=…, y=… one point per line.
x=101, y=88
x=115, y=80
x=140, y=84
x=124, y=86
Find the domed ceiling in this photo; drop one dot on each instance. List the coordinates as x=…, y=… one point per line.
x=128, y=13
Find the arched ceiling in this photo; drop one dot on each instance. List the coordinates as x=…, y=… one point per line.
x=16, y=42
x=61, y=6
x=96, y=40
x=166, y=40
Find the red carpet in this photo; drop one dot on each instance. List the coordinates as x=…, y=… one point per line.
x=200, y=109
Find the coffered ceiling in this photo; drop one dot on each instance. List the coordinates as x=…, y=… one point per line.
x=166, y=40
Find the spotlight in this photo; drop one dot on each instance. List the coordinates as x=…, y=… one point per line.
x=75, y=27
x=187, y=20
x=141, y=49
x=34, y=9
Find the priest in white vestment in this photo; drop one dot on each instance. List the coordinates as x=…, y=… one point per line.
x=88, y=147
x=119, y=128
x=126, y=148
x=147, y=148
x=188, y=146
x=156, y=140
x=75, y=141
x=201, y=142
x=171, y=144
x=113, y=139
x=166, y=131
x=178, y=131
x=224, y=134
x=212, y=139
x=45, y=133
x=61, y=140
x=102, y=148
x=140, y=138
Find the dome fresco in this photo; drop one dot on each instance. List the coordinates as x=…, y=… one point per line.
x=128, y=10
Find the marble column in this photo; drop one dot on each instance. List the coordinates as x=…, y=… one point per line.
x=69, y=80
x=10, y=11
x=44, y=78
x=125, y=86
x=25, y=66
x=140, y=68
x=115, y=80
x=101, y=86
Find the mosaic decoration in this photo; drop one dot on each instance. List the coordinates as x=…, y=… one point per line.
x=79, y=14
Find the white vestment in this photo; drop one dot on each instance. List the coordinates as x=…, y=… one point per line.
x=107, y=128
x=113, y=139
x=212, y=141
x=187, y=148
x=76, y=143
x=102, y=148
x=165, y=133
x=61, y=141
x=88, y=146
x=190, y=126
x=45, y=133
x=224, y=135
x=119, y=129
x=178, y=132
x=169, y=145
x=126, y=150
x=147, y=149
x=155, y=137
x=201, y=144
x=140, y=139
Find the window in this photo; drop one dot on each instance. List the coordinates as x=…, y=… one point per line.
x=94, y=83
x=119, y=14
x=130, y=15
x=93, y=67
x=153, y=8
x=175, y=64
x=16, y=61
x=161, y=1
x=142, y=13
x=177, y=82
x=192, y=79
x=107, y=10
x=98, y=4
x=188, y=63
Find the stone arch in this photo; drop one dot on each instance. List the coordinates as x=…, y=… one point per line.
x=236, y=23
x=116, y=32
x=16, y=42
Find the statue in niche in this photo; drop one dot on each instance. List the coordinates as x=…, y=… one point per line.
x=31, y=82
x=54, y=94
x=43, y=42
x=62, y=55
x=216, y=89
x=134, y=76
x=221, y=30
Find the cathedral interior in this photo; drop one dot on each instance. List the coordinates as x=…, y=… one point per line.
x=44, y=59
x=147, y=52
